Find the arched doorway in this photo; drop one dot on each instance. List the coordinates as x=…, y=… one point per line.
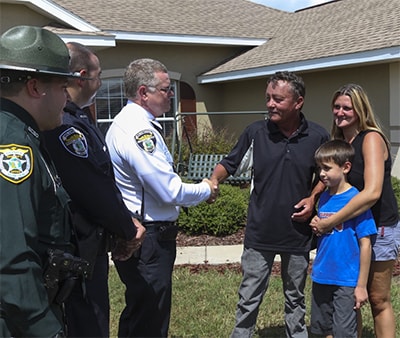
x=188, y=104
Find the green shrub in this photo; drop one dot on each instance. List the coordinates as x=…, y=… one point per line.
x=396, y=189
x=205, y=140
x=224, y=217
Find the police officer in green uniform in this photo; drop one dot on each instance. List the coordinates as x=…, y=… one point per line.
x=34, y=216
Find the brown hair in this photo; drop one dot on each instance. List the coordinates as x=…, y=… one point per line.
x=337, y=151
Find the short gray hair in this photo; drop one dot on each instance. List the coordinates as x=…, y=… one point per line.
x=141, y=72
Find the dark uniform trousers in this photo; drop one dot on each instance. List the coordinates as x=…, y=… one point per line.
x=148, y=280
x=89, y=316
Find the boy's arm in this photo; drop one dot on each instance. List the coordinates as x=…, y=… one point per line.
x=360, y=292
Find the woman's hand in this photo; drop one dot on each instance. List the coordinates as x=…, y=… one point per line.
x=321, y=225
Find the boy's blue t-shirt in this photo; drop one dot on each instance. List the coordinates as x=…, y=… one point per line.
x=337, y=261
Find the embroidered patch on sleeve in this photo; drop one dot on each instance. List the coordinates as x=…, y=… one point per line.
x=146, y=140
x=75, y=142
x=16, y=162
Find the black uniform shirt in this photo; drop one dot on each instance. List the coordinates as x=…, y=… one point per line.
x=83, y=162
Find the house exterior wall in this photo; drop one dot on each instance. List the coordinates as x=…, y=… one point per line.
x=13, y=15
x=187, y=61
x=381, y=81
x=320, y=86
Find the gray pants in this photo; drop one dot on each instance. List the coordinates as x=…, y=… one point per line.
x=257, y=267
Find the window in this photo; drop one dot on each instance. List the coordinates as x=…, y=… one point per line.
x=109, y=101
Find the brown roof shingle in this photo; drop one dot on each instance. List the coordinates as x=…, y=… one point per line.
x=334, y=29
x=226, y=18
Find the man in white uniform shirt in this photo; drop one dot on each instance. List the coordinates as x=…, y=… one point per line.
x=145, y=175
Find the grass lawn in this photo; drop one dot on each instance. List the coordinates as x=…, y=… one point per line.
x=204, y=304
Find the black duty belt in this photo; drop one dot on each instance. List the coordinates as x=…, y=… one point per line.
x=158, y=224
x=166, y=231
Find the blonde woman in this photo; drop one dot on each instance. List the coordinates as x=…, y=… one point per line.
x=354, y=122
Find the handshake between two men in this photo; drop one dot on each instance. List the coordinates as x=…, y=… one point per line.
x=213, y=183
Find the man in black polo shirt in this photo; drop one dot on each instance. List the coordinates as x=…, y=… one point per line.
x=281, y=203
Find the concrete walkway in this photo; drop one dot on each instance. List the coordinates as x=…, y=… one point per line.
x=219, y=254
x=213, y=254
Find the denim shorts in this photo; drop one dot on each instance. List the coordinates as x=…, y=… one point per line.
x=386, y=244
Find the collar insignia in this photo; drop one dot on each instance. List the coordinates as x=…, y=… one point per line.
x=16, y=162
x=146, y=140
x=75, y=142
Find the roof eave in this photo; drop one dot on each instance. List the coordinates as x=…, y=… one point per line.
x=61, y=14
x=374, y=56
x=89, y=40
x=186, y=39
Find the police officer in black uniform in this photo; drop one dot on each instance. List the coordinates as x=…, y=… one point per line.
x=82, y=159
x=34, y=216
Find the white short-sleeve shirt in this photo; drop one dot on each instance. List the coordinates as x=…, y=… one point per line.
x=142, y=162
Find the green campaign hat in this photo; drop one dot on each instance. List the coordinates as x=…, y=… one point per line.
x=36, y=50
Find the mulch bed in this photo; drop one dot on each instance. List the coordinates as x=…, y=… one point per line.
x=208, y=240
x=222, y=268
x=237, y=238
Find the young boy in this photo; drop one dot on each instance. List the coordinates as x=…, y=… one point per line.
x=340, y=269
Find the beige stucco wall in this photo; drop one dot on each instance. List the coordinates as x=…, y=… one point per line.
x=12, y=15
x=187, y=61
x=320, y=86
x=378, y=80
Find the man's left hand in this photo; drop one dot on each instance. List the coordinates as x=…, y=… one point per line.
x=303, y=210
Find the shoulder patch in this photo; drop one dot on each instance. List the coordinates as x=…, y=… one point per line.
x=146, y=140
x=75, y=142
x=16, y=162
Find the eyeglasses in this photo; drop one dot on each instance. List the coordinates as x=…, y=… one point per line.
x=345, y=108
x=165, y=90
